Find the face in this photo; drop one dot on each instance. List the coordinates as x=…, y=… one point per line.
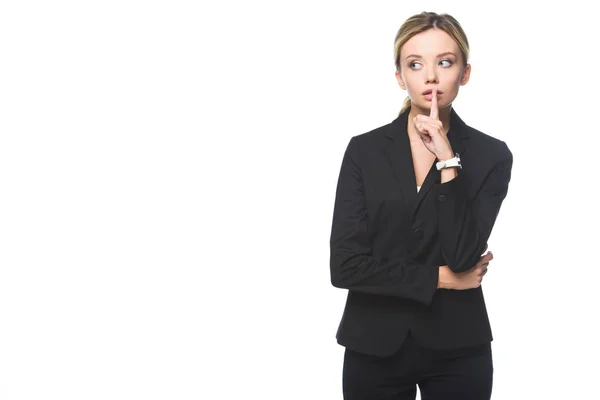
x=428, y=59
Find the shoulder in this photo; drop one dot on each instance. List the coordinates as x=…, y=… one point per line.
x=374, y=134
x=372, y=139
x=488, y=144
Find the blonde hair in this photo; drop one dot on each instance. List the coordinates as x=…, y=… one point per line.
x=422, y=22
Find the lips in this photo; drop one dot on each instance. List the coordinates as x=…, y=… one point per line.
x=429, y=91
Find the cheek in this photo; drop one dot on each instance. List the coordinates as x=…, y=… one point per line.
x=456, y=79
x=452, y=85
x=410, y=85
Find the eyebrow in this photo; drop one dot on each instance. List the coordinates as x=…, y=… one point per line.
x=439, y=55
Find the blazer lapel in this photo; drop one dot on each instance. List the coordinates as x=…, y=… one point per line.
x=400, y=158
x=458, y=133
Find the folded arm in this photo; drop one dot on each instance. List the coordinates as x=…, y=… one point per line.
x=464, y=226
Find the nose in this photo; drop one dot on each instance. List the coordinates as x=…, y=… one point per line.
x=431, y=76
x=432, y=79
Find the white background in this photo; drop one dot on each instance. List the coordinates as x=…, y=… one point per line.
x=167, y=178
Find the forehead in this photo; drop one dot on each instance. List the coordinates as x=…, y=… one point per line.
x=429, y=43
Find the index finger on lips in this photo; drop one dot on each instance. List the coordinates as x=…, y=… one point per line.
x=434, y=106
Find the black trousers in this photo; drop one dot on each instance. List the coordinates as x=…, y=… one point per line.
x=461, y=374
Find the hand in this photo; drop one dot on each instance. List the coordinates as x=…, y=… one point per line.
x=431, y=131
x=470, y=279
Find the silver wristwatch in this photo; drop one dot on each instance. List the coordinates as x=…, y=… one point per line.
x=453, y=162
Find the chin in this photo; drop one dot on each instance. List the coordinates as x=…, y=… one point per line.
x=426, y=105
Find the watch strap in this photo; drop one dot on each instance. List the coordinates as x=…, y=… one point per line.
x=453, y=162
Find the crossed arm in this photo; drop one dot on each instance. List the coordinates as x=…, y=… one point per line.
x=464, y=229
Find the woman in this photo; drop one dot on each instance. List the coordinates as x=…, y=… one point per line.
x=415, y=204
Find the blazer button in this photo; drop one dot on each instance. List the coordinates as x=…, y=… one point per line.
x=418, y=233
x=442, y=197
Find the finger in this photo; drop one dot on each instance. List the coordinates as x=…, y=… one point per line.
x=434, y=106
x=431, y=125
x=427, y=118
x=425, y=138
x=423, y=130
x=427, y=127
x=486, y=257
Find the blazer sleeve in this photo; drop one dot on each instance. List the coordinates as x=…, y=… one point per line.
x=464, y=226
x=352, y=264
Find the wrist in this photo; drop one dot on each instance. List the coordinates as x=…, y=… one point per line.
x=445, y=156
x=445, y=278
x=447, y=174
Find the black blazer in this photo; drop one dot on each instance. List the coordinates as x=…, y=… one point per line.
x=388, y=240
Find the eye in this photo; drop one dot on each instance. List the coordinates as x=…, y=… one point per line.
x=449, y=63
x=412, y=63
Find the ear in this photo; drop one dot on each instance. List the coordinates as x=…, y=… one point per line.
x=400, y=80
x=465, y=75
